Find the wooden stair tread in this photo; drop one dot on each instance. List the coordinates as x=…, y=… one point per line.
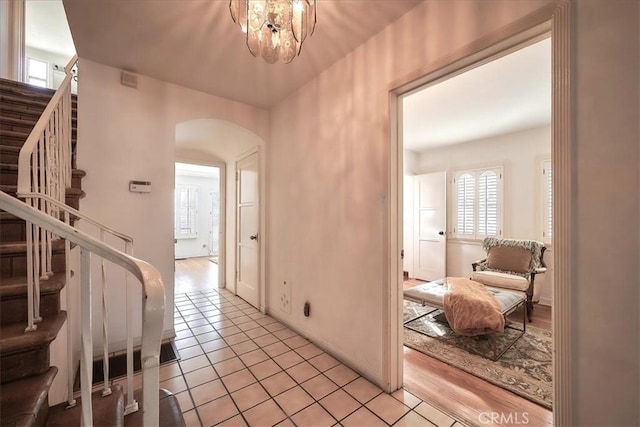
x=17, y=286
x=170, y=413
x=22, y=400
x=71, y=192
x=15, y=121
x=20, y=247
x=15, y=339
x=13, y=168
x=25, y=100
x=107, y=410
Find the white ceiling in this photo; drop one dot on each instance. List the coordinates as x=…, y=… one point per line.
x=510, y=94
x=197, y=45
x=46, y=27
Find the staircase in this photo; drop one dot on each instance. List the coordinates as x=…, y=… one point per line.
x=26, y=375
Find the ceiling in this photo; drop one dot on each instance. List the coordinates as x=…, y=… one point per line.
x=509, y=94
x=197, y=45
x=46, y=27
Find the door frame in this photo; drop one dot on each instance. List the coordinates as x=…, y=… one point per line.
x=261, y=227
x=222, y=249
x=554, y=21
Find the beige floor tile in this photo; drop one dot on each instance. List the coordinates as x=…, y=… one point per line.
x=265, y=414
x=169, y=371
x=247, y=326
x=183, y=334
x=295, y=341
x=294, y=400
x=237, y=338
x=340, y=404
x=341, y=375
x=186, y=342
x=189, y=352
x=275, y=326
x=221, y=354
x=184, y=399
x=308, y=351
x=236, y=421
x=252, y=357
x=194, y=363
x=217, y=411
x=286, y=423
x=228, y=331
x=285, y=333
x=387, y=408
x=180, y=326
x=363, y=417
x=319, y=386
x=257, y=332
x=199, y=330
x=200, y=376
x=174, y=385
x=313, y=416
x=191, y=418
x=302, y=372
x=412, y=419
x=214, y=345
x=249, y=396
x=221, y=323
x=362, y=390
x=276, y=349
x=323, y=362
x=288, y=359
x=244, y=347
x=407, y=398
x=209, y=336
x=278, y=383
x=264, y=320
x=238, y=380
x=228, y=366
x=207, y=392
x=434, y=415
x=266, y=339
x=265, y=369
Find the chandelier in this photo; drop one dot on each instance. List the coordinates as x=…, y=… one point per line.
x=275, y=28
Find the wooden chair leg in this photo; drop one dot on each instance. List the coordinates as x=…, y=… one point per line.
x=529, y=308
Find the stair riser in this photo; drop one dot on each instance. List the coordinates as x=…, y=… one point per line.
x=17, y=127
x=31, y=95
x=10, y=157
x=16, y=141
x=19, y=365
x=16, y=230
x=15, y=309
x=11, y=178
x=16, y=265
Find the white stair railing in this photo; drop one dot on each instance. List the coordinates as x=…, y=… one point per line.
x=44, y=174
x=153, y=300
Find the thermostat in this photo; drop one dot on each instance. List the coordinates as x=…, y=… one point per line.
x=140, y=186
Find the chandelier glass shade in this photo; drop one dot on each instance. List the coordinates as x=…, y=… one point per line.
x=275, y=29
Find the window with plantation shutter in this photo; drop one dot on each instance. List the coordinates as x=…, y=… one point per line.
x=478, y=203
x=547, y=202
x=185, y=211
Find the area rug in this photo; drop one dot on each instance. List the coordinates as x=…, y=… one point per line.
x=525, y=369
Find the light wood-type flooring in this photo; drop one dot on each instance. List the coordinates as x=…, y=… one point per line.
x=463, y=396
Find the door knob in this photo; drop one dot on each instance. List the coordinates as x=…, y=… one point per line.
x=254, y=237
x=441, y=233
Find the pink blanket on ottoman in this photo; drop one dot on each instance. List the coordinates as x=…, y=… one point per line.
x=470, y=308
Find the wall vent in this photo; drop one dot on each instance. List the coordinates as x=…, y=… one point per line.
x=128, y=79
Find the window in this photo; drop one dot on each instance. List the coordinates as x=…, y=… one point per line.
x=37, y=72
x=185, y=211
x=477, y=203
x=547, y=201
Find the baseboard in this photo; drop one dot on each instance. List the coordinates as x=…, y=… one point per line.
x=546, y=301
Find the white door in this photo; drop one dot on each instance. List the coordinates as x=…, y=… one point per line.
x=430, y=220
x=248, y=216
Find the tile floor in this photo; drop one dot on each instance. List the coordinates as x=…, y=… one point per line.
x=240, y=367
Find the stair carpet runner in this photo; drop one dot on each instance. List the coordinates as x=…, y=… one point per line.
x=26, y=375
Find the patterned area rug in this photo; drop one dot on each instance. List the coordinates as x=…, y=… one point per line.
x=525, y=369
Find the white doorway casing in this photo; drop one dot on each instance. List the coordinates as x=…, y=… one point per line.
x=554, y=20
x=248, y=233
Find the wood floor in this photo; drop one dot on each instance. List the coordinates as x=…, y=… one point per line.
x=463, y=396
x=466, y=397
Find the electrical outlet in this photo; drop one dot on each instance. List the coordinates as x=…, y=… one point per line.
x=285, y=298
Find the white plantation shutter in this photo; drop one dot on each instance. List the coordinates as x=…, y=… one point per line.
x=547, y=212
x=185, y=211
x=465, y=198
x=478, y=203
x=488, y=203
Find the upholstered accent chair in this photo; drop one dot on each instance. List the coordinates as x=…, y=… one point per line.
x=512, y=264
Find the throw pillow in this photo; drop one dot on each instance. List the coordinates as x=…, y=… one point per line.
x=509, y=258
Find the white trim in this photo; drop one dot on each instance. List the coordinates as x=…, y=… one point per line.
x=553, y=19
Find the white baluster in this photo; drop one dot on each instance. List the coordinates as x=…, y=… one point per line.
x=131, y=405
x=30, y=275
x=86, y=351
x=105, y=332
x=71, y=402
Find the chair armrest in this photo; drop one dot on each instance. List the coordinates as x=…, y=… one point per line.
x=540, y=270
x=475, y=264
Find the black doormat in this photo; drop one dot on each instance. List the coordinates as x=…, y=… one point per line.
x=118, y=364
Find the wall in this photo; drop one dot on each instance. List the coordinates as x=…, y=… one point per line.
x=130, y=134
x=54, y=77
x=208, y=187
x=328, y=178
x=606, y=374
x=520, y=154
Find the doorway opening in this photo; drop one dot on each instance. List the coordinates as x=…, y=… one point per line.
x=198, y=227
x=477, y=150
